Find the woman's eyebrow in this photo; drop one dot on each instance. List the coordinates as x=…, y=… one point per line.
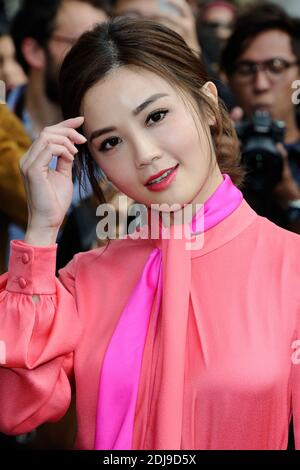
x=146, y=103
x=99, y=132
x=135, y=112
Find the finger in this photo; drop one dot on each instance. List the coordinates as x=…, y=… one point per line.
x=42, y=162
x=42, y=142
x=64, y=166
x=69, y=132
x=281, y=149
x=236, y=114
x=25, y=157
x=61, y=140
x=73, y=122
x=36, y=148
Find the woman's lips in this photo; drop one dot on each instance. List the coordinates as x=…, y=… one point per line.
x=165, y=182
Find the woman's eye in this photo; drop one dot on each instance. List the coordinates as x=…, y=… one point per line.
x=156, y=116
x=109, y=144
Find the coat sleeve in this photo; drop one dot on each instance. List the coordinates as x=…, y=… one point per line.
x=39, y=330
x=296, y=386
x=14, y=142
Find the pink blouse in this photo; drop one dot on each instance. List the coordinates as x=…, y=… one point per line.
x=241, y=348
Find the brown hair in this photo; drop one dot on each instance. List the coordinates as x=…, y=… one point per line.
x=147, y=45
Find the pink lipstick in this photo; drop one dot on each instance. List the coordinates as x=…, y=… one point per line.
x=162, y=180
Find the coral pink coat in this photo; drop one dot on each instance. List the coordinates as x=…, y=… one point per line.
x=241, y=357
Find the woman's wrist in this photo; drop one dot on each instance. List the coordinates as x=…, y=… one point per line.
x=40, y=237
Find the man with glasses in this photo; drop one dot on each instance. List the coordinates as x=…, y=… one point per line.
x=261, y=63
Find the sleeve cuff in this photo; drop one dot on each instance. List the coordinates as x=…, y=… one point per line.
x=31, y=268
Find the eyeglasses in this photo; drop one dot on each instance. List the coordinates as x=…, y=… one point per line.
x=274, y=68
x=65, y=39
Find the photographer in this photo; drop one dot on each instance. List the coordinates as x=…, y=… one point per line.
x=261, y=62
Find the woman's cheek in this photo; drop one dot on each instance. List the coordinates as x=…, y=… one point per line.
x=121, y=178
x=172, y=141
x=183, y=135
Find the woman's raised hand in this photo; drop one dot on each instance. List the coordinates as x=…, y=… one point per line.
x=49, y=191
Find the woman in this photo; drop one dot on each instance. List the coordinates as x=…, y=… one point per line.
x=174, y=342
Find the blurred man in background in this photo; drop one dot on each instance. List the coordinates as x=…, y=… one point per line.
x=215, y=27
x=175, y=14
x=261, y=62
x=43, y=32
x=182, y=16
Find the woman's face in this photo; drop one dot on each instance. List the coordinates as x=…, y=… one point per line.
x=138, y=128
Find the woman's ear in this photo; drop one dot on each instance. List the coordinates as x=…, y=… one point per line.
x=210, y=89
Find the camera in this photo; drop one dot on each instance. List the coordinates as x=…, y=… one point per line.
x=264, y=164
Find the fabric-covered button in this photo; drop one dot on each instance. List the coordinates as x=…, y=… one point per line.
x=22, y=282
x=25, y=258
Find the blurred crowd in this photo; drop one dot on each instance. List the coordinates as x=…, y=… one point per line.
x=252, y=53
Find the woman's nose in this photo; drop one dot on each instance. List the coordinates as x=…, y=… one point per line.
x=146, y=150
